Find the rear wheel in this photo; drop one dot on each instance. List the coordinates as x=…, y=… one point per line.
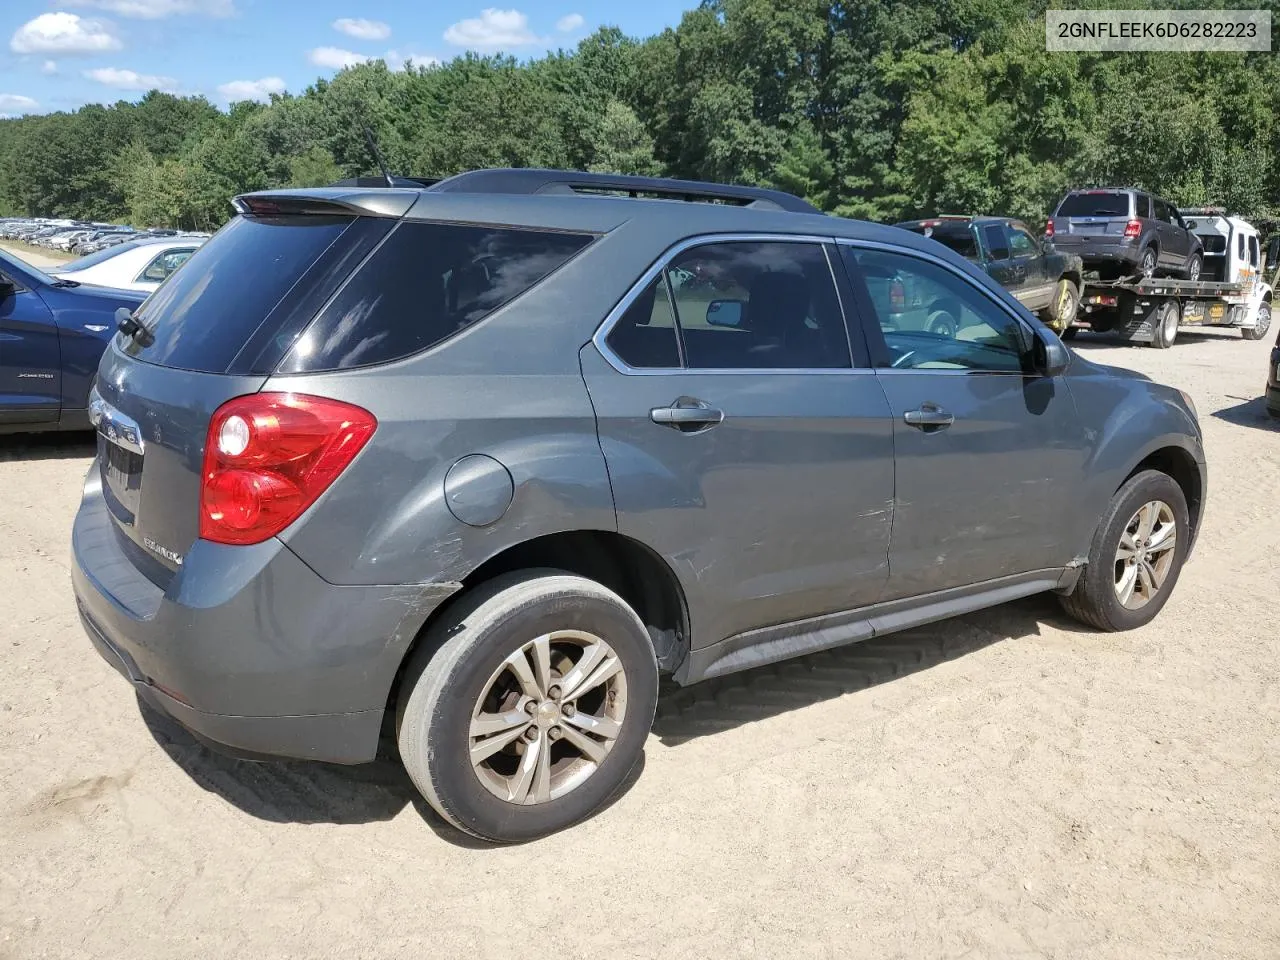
x=1263, y=325
x=1062, y=310
x=1136, y=555
x=527, y=705
x=1193, y=267
x=1164, y=325
x=943, y=324
x=1147, y=261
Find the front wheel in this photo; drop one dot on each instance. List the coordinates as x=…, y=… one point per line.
x=1259, y=331
x=527, y=705
x=1164, y=325
x=1193, y=267
x=1062, y=310
x=1136, y=555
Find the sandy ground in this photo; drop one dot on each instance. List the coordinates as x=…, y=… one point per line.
x=37, y=256
x=1004, y=785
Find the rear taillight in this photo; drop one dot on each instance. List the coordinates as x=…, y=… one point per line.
x=1048, y=229
x=269, y=456
x=1133, y=229
x=897, y=297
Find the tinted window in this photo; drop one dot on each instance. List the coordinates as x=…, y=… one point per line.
x=204, y=317
x=1253, y=251
x=1100, y=204
x=1240, y=246
x=160, y=268
x=958, y=238
x=1022, y=243
x=1162, y=211
x=427, y=282
x=645, y=336
x=994, y=239
x=758, y=306
x=932, y=319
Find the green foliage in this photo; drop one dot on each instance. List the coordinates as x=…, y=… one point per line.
x=879, y=109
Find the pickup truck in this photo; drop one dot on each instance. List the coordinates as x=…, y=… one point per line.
x=52, y=335
x=1045, y=280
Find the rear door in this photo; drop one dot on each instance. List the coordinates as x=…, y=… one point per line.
x=988, y=457
x=30, y=359
x=745, y=442
x=1174, y=247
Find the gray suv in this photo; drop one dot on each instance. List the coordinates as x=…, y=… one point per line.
x=1125, y=232
x=472, y=464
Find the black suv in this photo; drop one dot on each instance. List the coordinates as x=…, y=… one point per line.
x=1125, y=232
x=1045, y=280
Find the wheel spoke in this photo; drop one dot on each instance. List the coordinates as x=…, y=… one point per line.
x=488, y=724
x=1146, y=520
x=519, y=665
x=571, y=682
x=1144, y=583
x=599, y=675
x=593, y=750
x=542, y=663
x=600, y=726
x=541, y=791
x=1128, y=580
x=1128, y=547
x=523, y=780
x=1154, y=578
x=1163, y=538
x=487, y=748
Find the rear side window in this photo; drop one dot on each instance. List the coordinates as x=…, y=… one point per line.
x=995, y=241
x=203, y=317
x=1102, y=204
x=426, y=283
x=645, y=336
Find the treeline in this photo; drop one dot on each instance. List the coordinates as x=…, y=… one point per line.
x=878, y=109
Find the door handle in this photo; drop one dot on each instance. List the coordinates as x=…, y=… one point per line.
x=688, y=415
x=929, y=417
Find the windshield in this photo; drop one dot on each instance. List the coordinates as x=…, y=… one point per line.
x=1095, y=205
x=92, y=259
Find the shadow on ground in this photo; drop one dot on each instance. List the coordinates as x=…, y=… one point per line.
x=300, y=792
x=47, y=446
x=1086, y=341
x=1250, y=413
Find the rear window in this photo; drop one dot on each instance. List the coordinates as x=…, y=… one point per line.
x=106, y=253
x=1094, y=205
x=424, y=284
x=958, y=237
x=202, y=318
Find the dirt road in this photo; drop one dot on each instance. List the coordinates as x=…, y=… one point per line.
x=1005, y=785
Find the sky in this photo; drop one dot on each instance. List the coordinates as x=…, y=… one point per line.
x=62, y=54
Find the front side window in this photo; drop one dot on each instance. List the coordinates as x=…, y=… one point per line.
x=933, y=319
x=1253, y=251
x=994, y=239
x=758, y=305
x=159, y=269
x=1022, y=243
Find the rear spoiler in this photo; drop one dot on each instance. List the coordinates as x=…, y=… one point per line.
x=377, y=202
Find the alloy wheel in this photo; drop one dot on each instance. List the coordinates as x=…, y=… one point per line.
x=1145, y=554
x=547, y=717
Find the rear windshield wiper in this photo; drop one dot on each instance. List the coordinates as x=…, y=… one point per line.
x=133, y=328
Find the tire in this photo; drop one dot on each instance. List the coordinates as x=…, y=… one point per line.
x=1064, y=306
x=1069, y=333
x=459, y=671
x=1192, y=272
x=1148, y=260
x=1165, y=325
x=1264, y=323
x=944, y=325
x=1096, y=601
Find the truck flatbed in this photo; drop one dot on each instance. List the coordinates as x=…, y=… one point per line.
x=1167, y=287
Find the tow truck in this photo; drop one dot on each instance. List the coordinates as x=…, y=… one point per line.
x=1152, y=310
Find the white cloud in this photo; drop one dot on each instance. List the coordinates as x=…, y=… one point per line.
x=362, y=29
x=493, y=30
x=397, y=60
x=570, y=23
x=238, y=90
x=17, y=103
x=64, y=33
x=50, y=66
x=333, y=58
x=129, y=80
x=160, y=9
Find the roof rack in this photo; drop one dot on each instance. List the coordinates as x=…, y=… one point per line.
x=518, y=181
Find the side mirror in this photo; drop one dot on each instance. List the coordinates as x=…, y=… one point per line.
x=1051, y=355
x=7, y=288
x=724, y=313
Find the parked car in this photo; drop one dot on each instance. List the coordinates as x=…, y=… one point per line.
x=1125, y=232
x=1273, y=381
x=141, y=264
x=482, y=459
x=52, y=335
x=1045, y=280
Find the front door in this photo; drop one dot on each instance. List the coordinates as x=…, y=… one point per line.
x=988, y=456
x=745, y=443
x=1037, y=288
x=30, y=365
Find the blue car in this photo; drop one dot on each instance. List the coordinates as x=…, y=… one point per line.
x=52, y=335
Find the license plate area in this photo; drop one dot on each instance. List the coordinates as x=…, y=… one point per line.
x=120, y=455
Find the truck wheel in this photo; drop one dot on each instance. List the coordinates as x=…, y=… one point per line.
x=944, y=325
x=1263, y=324
x=1193, y=267
x=1066, y=304
x=1164, y=325
x=1136, y=555
x=527, y=705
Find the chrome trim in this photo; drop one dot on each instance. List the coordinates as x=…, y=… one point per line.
x=114, y=426
x=614, y=315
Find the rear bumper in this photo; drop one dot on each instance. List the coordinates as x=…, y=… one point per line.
x=247, y=647
x=1094, y=251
